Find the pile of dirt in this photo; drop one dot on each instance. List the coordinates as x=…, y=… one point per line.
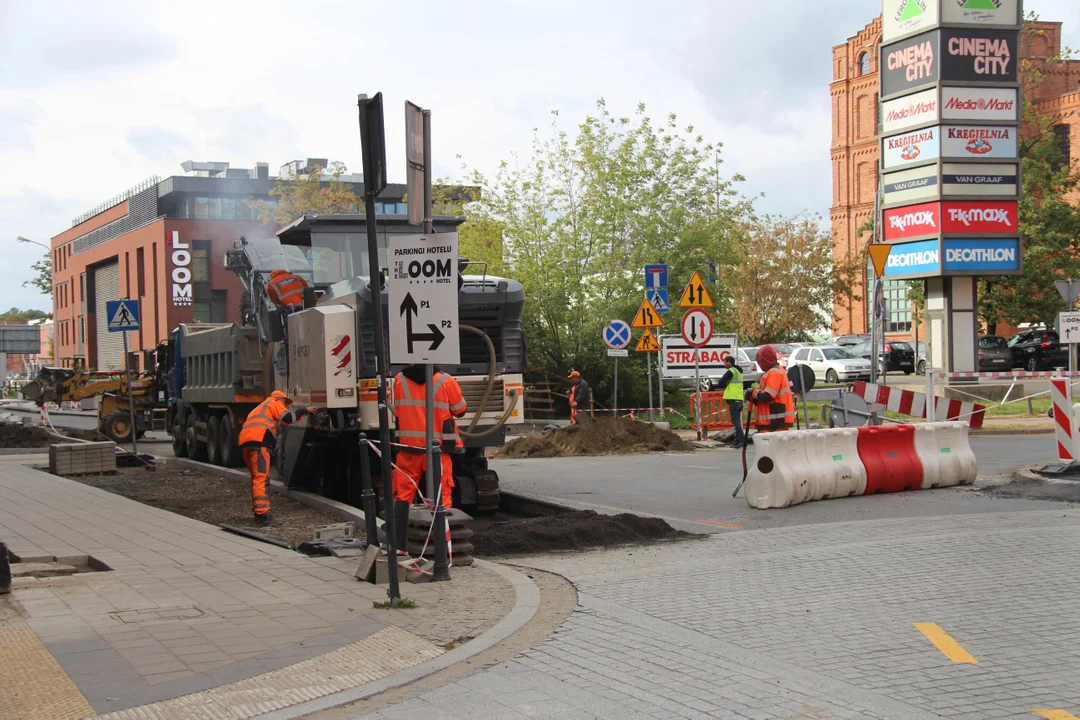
x=607, y=436
x=33, y=436
x=212, y=499
x=574, y=530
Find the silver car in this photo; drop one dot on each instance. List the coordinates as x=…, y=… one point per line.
x=831, y=363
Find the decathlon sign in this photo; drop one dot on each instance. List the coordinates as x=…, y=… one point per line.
x=908, y=186
x=979, y=217
x=920, y=108
x=180, y=255
x=917, y=259
x=917, y=146
x=974, y=104
x=912, y=221
x=981, y=180
x=978, y=55
x=979, y=141
x=678, y=356
x=982, y=256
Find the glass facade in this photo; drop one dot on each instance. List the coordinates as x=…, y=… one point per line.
x=897, y=304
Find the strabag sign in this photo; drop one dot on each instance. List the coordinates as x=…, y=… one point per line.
x=909, y=63
x=973, y=104
x=979, y=217
x=982, y=256
x=920, y=108
x=903, y=17
x=979, y=55
x=678, y=357
x=983, y=180
x=912, y=221
x=917, y=259
x=981, y=12
x=979, y=141
x=908, y=186
x=916, y=146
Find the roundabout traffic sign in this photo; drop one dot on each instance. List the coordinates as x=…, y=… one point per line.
x=696, y=327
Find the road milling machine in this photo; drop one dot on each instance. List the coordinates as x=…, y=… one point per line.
x=323, y=356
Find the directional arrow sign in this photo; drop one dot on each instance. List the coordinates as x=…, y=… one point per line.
x=879, y=253
x=423, y=294
x=647, y=343
x=646, y=317
x=696, y=327
x=696, y=294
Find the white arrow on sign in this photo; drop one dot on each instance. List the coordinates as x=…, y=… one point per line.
x=696, y=327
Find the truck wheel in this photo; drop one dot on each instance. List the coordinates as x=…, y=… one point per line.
x=213, y=447
x=117, y=427
x=228, y=449
x=196, y=448
x=179, y=439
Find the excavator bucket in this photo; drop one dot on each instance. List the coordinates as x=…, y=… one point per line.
x=45, y=387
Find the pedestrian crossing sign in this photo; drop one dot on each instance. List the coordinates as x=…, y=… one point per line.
x=659, y=299
x=647, y=317
x=647, y=343
x=123, y=315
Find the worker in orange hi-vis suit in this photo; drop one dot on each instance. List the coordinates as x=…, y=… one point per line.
x=286, y=289
x=258, y=439
x=409, y=398
x=774, y=404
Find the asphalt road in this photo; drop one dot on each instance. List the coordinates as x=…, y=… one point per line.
x=694, y=490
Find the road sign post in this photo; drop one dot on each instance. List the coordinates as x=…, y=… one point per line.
x=124, y=316
x=1069, y=291
x=648, y=317
x=697, y=328
x=879, y=255
x=1069, y=334
x=617, y=336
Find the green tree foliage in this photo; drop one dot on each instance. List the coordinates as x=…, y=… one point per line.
x=15, y=316
x=42, y=279
x=321, y=192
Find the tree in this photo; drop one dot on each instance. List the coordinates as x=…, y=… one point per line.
x=322, y=192
x=42, y=279
x=15, y=316
x=785, y=281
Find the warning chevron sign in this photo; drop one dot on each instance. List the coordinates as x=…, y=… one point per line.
x=647, y=343
x=647, y=317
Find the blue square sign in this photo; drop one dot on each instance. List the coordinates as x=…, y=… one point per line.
x=122, y=314
x=655, y=276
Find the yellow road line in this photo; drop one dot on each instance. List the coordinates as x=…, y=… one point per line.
x=944, y=642
x=1055, y=714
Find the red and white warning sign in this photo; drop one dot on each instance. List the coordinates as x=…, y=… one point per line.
x=696, y=327
x=678, y=356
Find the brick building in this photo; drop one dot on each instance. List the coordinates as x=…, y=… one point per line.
x=854, y=150
x=164, y=242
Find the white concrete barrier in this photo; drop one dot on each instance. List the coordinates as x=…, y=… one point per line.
x=781, y=474
x=945, y=453
x=833, y=456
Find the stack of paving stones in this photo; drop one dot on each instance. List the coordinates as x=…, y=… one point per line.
x=93, y=458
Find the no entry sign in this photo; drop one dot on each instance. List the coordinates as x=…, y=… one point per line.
x=696, y=327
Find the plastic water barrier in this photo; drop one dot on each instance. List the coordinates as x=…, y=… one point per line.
x=799, y=466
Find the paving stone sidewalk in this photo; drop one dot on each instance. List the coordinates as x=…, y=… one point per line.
x=186, y=606
x=804, y=622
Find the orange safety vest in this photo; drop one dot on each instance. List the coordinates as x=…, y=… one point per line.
x=779, y=413
x=409, y=408
x=285, y=288
x=262, y=419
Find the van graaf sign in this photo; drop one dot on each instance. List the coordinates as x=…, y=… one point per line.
x=909, y=63
x=982, y=256
x=917, y=259
x=984, y=180
x=978, y=55
x=979, y=217
x=978, y=141
x=979, y=103
x=981, y=12
x=181, y=271
x=912, y=221
x=902, y=17
x=911, y=147
x=907, y=186
x=910, y=110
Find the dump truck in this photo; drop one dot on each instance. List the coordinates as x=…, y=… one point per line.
x=324, y=356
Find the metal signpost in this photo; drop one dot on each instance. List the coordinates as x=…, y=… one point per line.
x=1069, y=291
x=646, y=318
x=373, y=144
x=696, y=328
x=617, y=337
x=427, y=266
x=879, y=255
x=123, y=315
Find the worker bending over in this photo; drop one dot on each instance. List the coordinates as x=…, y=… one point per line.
x=409, y=399
x=258, y=438
x=774, y=405
x=579, y=395
x=286, y=290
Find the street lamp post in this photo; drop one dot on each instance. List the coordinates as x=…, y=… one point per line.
x=35, y=242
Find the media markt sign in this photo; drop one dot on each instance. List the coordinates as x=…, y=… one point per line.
x=981, y=12
x=903, y=17
x=899, y=113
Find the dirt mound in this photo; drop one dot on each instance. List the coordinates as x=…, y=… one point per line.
x=575, y=530
x=607, y=436
x=32, y=436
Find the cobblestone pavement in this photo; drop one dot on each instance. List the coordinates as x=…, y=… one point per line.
x=812, y=621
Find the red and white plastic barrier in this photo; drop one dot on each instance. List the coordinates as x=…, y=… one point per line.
x=1064, y=424
x=1014, y=374
x=801, y=465
x=909, y=402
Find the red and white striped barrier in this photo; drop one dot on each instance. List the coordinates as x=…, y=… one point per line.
x=44, y=415
x=909, y=402
x=1045, y=374
x=1061, y=396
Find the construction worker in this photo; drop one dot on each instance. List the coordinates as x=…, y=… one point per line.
x=732, y=385
x=286, y=290
x=774, y=405
x=5, y=570
x=258, y=438
x=579, y=395
x=409, y=407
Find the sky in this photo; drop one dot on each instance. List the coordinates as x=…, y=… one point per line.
x=95, y=97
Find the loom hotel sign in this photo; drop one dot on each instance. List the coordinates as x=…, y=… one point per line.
x=912, y=147
x=180, y=255
x=920, y=108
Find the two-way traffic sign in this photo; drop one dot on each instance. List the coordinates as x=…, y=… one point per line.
x=122, y=314
x=423, y=295
x=696, y=327
x=696, y=294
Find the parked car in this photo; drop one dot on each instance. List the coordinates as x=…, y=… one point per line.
x=920, y=358
x=1038, y=349
x=831, y=363
x=783, y=352
x=849, y=340
x=897, y=356
x=745, y=359
x=994, y=353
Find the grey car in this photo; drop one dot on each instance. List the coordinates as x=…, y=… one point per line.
x=995, y=355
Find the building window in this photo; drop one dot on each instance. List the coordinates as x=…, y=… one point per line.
x=140, y=274
x=897, y=304
x=864, y=64
x=200, y=208
x=1063, y=139
x=200, y=261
